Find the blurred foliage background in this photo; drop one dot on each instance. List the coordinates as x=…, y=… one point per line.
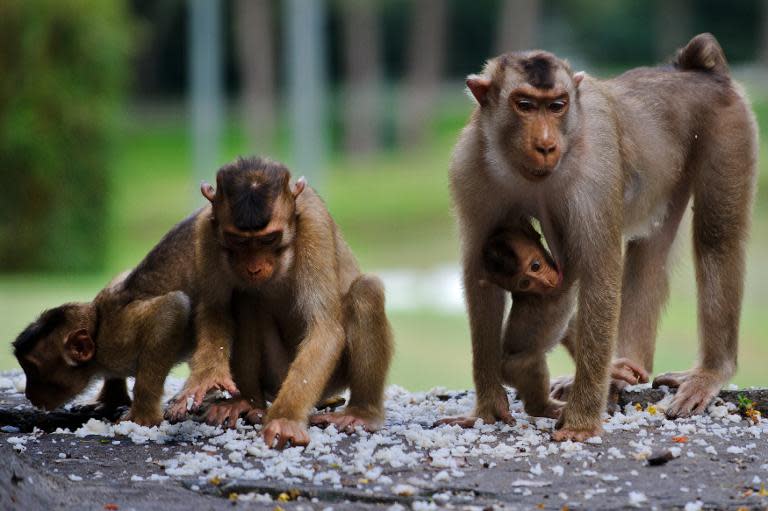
x=105, y=133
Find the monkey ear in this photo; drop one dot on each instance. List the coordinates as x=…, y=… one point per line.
x=79, y=347
x=298, y=186
x=207, y=191
x=578, y=77
x=479, y=88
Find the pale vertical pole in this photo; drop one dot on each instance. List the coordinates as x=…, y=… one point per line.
x=306, y=80
x=205, y=83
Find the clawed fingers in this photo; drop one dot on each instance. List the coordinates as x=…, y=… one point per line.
x=638, y=371
x=463, y=422
x=672, y=380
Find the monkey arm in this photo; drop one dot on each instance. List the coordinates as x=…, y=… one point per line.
x=596, y=328
x=318, y=355
x=486, y=308
x=209, y=365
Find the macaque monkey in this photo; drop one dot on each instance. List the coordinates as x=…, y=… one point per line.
x=134, y=325
x=120, y=333
x=310, y=325
x=516, y=260
x=608, y=167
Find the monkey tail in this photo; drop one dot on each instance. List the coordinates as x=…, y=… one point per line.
x=702, y=53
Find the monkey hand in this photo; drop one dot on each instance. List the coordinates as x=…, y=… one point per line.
x=623, y=372
x=624, y=369
x=226, y=413
x=496, y=410
x=578, y=430
x=279, y=433
x=348, y=420
x=695, y=390
x=195, y=390
x=149, y=419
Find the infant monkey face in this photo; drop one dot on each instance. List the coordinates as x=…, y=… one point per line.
x=520, y=264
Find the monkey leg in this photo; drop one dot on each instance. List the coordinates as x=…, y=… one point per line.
x=113, y=395
x=162, y=323
x=534, y=325
x=645, y=287
x=723, y=191
x=366, y=360
x=253, y=330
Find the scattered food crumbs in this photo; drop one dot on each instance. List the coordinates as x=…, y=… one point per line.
x=410, y=460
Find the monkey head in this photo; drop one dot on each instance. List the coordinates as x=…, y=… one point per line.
x=56, y=353
x=519, y=263
x=254, y=215
x=528, y=110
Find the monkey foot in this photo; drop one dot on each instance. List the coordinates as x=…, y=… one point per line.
x=466, y=422
x=696, y=389
x=623, y=372
x=226, y=413
x=345, y=421
x=576, y=435
x=280, y=433
x=552, y=410
x=99, y=408
x=142, y=419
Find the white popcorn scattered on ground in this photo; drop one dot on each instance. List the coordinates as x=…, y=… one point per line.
x=408, y=441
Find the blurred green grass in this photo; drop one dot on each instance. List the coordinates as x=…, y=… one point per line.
x=394, y=210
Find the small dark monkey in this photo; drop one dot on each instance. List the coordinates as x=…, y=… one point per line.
x=114, y=336
x=311, y=324
x=608, y=168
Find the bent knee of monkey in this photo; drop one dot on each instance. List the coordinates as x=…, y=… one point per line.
x=177, y=303
x=366, y=294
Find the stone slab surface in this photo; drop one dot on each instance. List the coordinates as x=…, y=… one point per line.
x=717, y=461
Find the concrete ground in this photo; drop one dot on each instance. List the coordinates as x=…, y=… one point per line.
x=717, y=461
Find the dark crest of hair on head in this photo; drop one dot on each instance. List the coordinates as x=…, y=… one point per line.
x=251, y=186
x=538, y=68
x=48, y=321
x=498, y=258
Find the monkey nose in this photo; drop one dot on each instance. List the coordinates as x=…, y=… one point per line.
x=546, y=147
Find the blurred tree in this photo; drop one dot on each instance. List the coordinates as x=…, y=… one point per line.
x=517, y=25
x=764, y=34
x=674, y=26
x=426, y=54
x=255, y=51
x=62, y=64
x=363, y=74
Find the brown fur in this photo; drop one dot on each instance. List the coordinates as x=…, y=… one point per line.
x=315, y=329
x=515, y=259
x=123, y=336
x=633, y=150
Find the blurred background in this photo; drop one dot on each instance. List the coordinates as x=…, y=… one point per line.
x=111, y=111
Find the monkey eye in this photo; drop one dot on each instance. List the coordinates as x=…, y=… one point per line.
x=524, y=284
x=236, y=241
x=271, y=238
x=525, y=105
x=535, y=265
x=557, y=106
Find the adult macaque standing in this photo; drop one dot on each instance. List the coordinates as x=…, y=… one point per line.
x=605, y=166
x=311, y=324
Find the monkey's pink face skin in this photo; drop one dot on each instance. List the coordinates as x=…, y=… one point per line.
x=541, y=114
x=255, y=257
